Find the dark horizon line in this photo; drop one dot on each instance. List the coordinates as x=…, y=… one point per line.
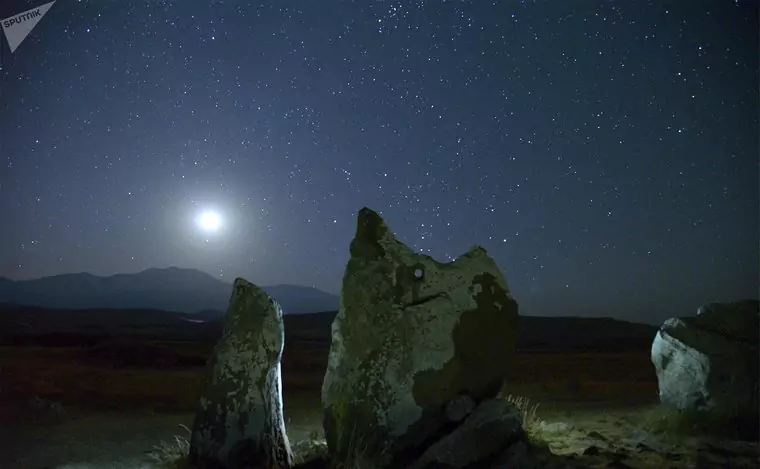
x=224, y=280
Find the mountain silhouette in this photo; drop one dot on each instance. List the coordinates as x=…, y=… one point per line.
x=170, y=289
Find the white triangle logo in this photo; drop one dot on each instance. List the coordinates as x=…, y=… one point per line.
x=17, y=27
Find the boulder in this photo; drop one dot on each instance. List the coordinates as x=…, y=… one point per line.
x=709, y=362
x=492, y=433
x=239, y=423
x=411, y=337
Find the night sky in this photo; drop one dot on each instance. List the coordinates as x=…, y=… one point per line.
x=605, y=153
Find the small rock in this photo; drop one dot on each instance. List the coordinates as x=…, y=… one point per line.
x=555, y=427
x=639, y=435
x=672, y=456
x=592, y=450
x=594, y=435
x=641, y=447
x=620, y=454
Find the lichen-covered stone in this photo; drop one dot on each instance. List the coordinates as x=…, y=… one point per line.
x=410, y=336
x=709, y=362
x=239, y=423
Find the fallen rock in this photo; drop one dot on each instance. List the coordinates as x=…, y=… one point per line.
x=239, y=423
x=520, y=455
x=459, y=408
x=411, y=335
x=491, y=432
x=710, y=362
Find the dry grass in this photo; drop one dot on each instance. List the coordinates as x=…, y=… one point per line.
x=311, y=452
x=68, y=376
x=358, y=454
x=62, y=375
x=529, y=411
x=558, y=380
x=546, y=376
x=172, y=455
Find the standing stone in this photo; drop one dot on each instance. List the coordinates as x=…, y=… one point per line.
x=411, y=336
x=710, y=362
x=239, y=423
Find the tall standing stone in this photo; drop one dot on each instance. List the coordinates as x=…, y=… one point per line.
x=239, y=423
x=411, y=336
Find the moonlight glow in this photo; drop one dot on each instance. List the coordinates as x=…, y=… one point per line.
x=209, y=221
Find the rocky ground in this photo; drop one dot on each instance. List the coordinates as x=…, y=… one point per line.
x=583, y=435
x=614, y=438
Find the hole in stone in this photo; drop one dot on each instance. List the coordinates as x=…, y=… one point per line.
x=418, y=273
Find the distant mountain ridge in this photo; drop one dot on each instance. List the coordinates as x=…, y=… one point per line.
x=170, y=289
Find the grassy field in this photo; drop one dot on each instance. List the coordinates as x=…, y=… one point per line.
x=168, y=376
x=127, y=395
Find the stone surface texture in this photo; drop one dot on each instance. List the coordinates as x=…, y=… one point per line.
x=412, y=336
x=709, y=362
x=240, y=423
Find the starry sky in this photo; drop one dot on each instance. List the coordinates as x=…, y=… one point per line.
x=605, y=153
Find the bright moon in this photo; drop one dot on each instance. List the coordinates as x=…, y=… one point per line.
x=209, y=221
